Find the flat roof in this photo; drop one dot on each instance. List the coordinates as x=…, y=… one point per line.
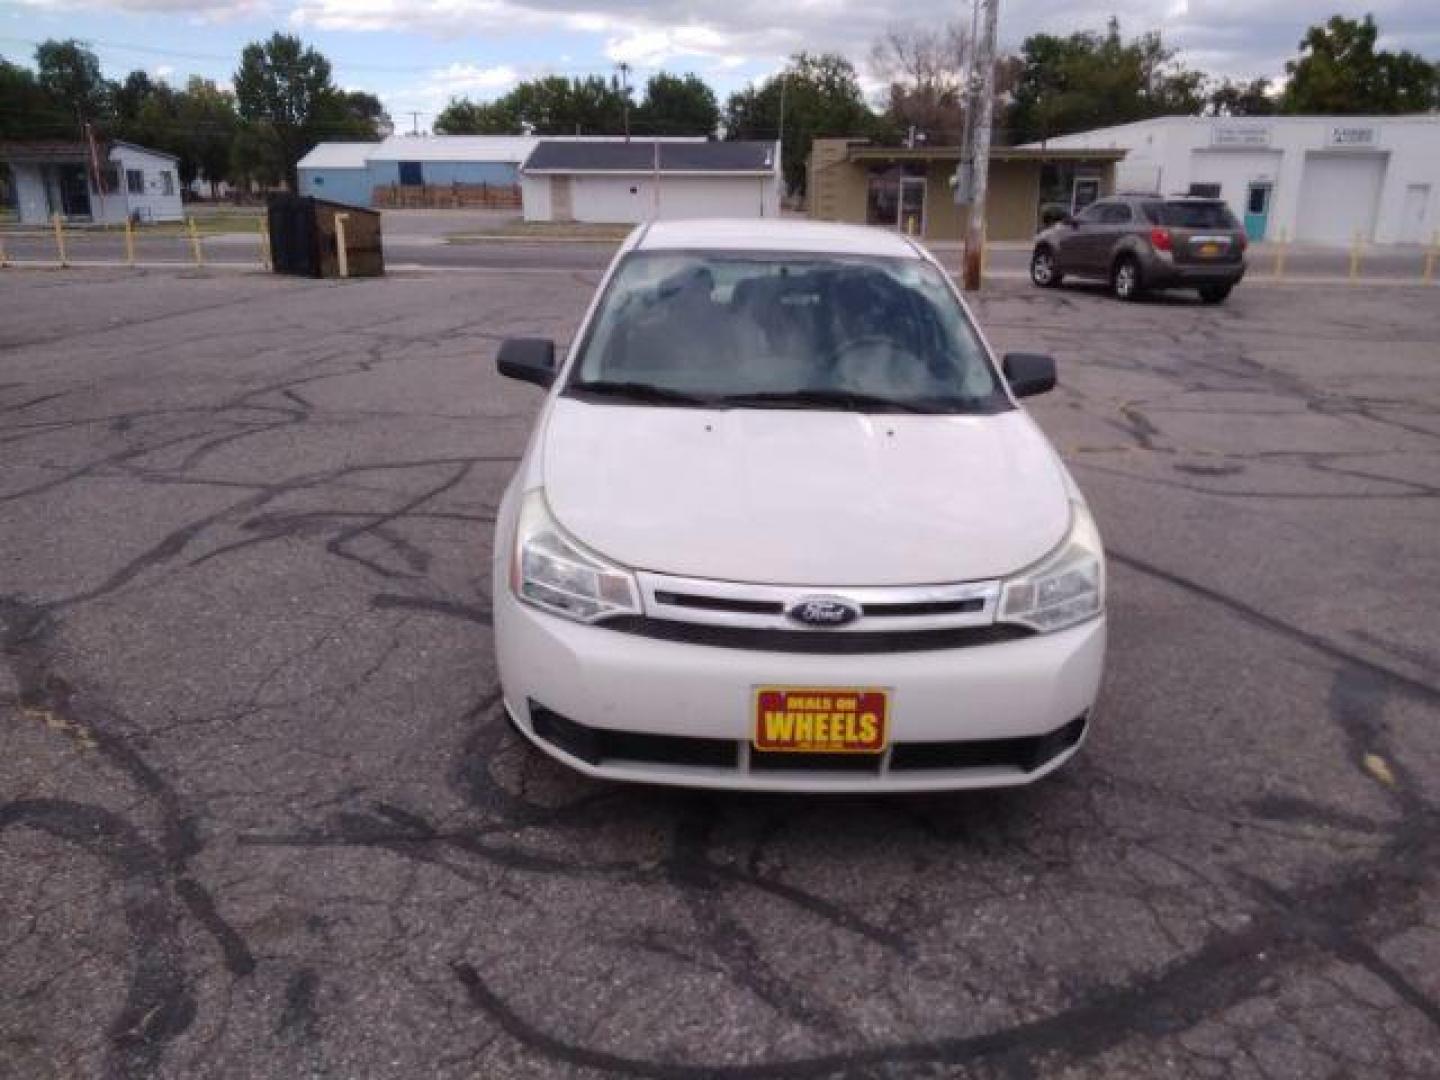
x=338, y=155
x=641, y=156
x=510, y=149
x=997, y=153
x=773, y=234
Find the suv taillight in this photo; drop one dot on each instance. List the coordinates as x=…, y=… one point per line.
x=1160, y=240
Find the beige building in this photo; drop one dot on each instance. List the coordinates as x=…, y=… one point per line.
x=911, y=189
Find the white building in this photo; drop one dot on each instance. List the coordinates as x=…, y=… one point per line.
x=617, y=182
x=1318, y=179
x=53, y=177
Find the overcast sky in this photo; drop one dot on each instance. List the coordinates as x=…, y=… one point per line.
x=416, y=54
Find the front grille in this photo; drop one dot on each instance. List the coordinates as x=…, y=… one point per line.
x=1026, y=754
x=816, y=641
x=602, y=746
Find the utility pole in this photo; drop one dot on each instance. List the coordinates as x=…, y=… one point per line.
x=414, y=123
x=625, y=96
x=978, y=150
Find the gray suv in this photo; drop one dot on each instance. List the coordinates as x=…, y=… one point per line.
x=1140, y=242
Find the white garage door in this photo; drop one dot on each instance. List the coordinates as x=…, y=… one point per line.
x=1339, y=194
x=631, y=199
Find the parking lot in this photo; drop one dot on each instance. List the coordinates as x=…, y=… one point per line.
x=260, y=814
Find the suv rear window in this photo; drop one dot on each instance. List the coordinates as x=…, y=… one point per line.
x=1191, y=214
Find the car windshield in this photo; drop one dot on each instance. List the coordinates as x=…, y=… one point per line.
x=790, y=331
x=1191, y=215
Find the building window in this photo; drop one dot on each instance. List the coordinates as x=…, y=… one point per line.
x=135, y=181
x=411, y=175
x=167, y=182
x=882, y=203
x=109, y=180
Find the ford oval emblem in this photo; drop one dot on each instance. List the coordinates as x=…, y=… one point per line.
x=823, y=611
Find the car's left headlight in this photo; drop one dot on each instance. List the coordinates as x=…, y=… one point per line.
x=555, y=573
x=1064, y=588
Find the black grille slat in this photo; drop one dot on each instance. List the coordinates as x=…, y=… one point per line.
x=720, y=603
x=1025, y=754
x=598, y=746
x=799, y=761
x=927, y=607
x=765, y=639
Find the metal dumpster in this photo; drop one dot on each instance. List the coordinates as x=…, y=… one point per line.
x=304, y=238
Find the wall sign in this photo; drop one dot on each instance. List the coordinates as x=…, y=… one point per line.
x=1345, y=135
x=1239, y=136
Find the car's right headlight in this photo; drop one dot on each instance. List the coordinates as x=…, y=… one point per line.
x=554, y=572
x=1064, y=588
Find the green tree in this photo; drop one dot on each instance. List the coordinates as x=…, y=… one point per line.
x=27, y=111
x=209, y=125
x=465, y=117
x=675, y=105
x=821, y=98
x=553, y=105
x=359, y=116
x=284, y=90
x=1340, y=71
x=70, y=74
x=1089, y=80
x=1238, y=98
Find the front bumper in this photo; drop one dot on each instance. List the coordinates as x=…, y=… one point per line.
x=615, y=705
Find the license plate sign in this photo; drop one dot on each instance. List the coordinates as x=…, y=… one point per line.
x=1209, y=251
x=821, y=720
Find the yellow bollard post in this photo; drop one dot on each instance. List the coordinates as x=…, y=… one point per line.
x=1355, y=258
x=129, y=241
x=195, y=244
x=1430, y=258
x=4, y=262
x=1280, y=256
x=59, y=223
x=265, y=263
x=342, y=257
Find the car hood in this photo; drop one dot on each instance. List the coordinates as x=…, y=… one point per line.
x=801, y=497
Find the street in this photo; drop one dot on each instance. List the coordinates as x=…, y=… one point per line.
x=261, y=816
x=487, y=240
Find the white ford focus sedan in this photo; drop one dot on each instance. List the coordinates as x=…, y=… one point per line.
x=781, y=525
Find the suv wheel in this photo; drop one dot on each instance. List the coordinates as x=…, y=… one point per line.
x=1043, y=271
x=1125, y=279
x=1215, y=294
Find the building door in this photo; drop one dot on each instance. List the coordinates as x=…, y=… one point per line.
x=1414, y=214
x=1339, y=197
x=911, y=218
x=1257, y=209
x=74, y=191
x=562, y=201
x=1085, y=191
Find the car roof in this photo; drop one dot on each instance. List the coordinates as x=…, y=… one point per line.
x=772, y=234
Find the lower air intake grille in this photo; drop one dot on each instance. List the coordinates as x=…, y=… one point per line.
x=599, y=746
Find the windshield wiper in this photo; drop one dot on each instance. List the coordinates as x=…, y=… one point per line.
x=821, y=398
x=639, y=391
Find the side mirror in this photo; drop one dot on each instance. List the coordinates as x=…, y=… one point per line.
x=530, y=360
x=1028, y=373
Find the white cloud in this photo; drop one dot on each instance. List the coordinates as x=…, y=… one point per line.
x=461, y=79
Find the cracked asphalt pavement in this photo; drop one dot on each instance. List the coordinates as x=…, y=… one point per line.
x=260, y=815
